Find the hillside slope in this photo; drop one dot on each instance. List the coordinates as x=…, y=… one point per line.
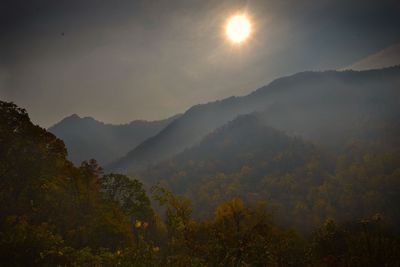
x=302, y=182
x=307, y=101
x=87, y=138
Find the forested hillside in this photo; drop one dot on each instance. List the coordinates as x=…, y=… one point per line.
x=303, y=183
x=88, y=138
x=55, y=214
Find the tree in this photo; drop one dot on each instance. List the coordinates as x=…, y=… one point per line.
x=129, y=194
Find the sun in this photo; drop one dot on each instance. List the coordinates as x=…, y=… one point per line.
x=238, y=29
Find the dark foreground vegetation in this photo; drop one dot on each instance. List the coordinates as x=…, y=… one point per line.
x=343, y=212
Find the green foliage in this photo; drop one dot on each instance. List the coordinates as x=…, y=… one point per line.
x=368, y=242
x=23, y=244
x=51, y=208
x=56, y=214
x=243, y=236
x=128, y=194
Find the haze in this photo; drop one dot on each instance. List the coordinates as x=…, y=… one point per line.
x=123, y=60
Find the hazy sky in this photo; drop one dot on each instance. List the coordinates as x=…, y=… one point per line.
x=121, y=60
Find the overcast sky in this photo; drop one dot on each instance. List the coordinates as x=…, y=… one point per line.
x=121, y=60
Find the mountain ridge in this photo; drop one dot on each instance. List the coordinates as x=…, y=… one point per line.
x=86, y=137
x=201, y=119
x=387, y=57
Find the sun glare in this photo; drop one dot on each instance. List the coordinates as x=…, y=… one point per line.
x=238, y=28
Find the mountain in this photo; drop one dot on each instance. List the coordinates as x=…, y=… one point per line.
x=87, y=138
x=387, y=57
x=246, y=142
x=302, y=182
x=305, y=103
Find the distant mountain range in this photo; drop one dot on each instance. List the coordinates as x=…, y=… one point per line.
x=324, y=107
x=327, y=108
x=88, y=138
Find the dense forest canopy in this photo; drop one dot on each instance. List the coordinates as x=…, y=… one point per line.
x=277, y=200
